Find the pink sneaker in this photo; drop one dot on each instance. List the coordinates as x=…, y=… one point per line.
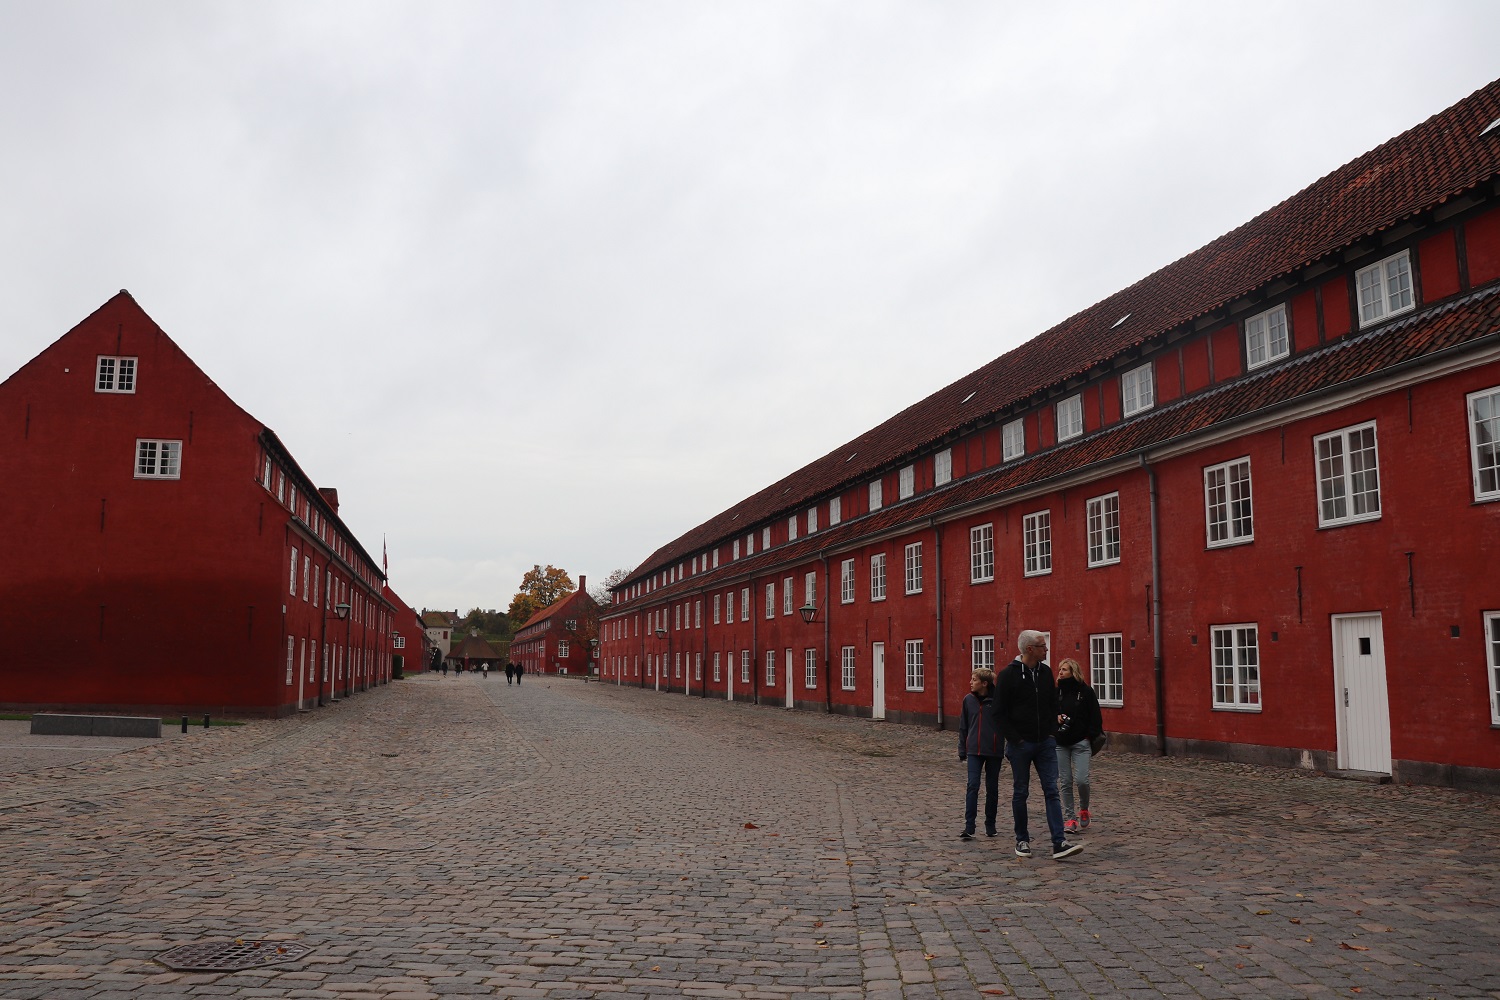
x=1070, y=826
x=1083, y=819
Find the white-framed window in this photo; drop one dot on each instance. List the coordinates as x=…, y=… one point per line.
x=835, y=511
x=716, y=609
x=1492, y=656
x=718, y=668
x=812, y=520
x=765, y=539
x=729, y=605
x=1484, y=442
x=1013, y=440
x=114, y=374
x=1036, y=543
x=786, y=596
x=1069, y=418
x=695, y=565
x=562, y=649
x=736, y=548
x=398, y=641
x=291, y=645
x=292, y=583
x=810, y=668
x=1137, y=390
x=771, y=597
x=677, y=618
x=716, y=557
x=981, y=652
x=156, y=458
x=744, y=604
x=809, y=587
x=982, y=553
x=698, y=613
x=847, y=673
x=1266, y=338
x=1236, y=652
x=914, y=568
x=1385, y=289
x=1348, y=475
x=744, y=666
x=846, y=582
x=676, y=664
x=1104, y=529
x=697, y=666
x=307, y=568
x=770, y=668
x=942, y=467
x=875, y=500
x=1107, y=668
x=791, y=528
x=1226, y=499
x=916, y=673
x=908, y=484
x=266, y=478
x=877, y=577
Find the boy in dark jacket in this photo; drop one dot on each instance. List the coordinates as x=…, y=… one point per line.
x=1028, y=714
x=980, y=744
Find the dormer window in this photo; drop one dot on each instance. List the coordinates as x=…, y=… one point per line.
x=1070, y=418
x=1137, y=390
x=875, y=497
x=942, y=467
x=1013, y=440
x=115, y=374
x=1266, y=338
x=1385, y=289
x=908, y=484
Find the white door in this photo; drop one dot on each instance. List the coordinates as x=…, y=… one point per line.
x=877, y=681
x=1363, y=710
x=787, y=663
x=302, y=675
x=730, y=676
x=660, y=659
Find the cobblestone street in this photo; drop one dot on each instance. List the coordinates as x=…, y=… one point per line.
x=451, y=837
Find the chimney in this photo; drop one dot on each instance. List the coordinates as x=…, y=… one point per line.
x=583, y=584
x=330, y=496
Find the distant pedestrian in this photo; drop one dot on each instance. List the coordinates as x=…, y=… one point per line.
x=1078, y=722
x=485, y=669
x=445, y=668
x=510, y=673
x=1028, y=711
x=980, y=744
x=520, y=671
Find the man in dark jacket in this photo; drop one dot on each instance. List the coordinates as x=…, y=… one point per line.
x=1027, y=700
x=980, y=744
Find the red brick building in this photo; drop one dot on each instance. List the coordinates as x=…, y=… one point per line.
x=558, y=638
x=163, y=549
x=1256, y=494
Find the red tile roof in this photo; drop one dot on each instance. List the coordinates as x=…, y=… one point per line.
x=1441, y=158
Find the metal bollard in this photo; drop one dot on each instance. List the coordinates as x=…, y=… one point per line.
x=184, y=723
x=205, y=722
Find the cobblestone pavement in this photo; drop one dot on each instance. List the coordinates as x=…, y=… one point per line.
x=448, y=837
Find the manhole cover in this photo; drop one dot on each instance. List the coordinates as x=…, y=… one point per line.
x=231, y=956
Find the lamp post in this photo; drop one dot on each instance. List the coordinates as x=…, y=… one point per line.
x=660, y=633
x=593, y=655
x=341, y=612
x=809, y=612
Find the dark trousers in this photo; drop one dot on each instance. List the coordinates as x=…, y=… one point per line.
x=1022, y=755
x=990, y=766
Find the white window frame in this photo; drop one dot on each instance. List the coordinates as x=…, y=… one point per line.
x=1267, y=338
x=1484, y=443
x=717, y=619
x=771, y=599
x=835, y=510
x=786, y=596
x=982, y=553
x=164, y=461
x=765, y=539
x=120, y=378
x=697, y=666
x=810, y=669
x=736, y=548
x=770, y=668
x=1337, y=481
x=791, y=528
x=716, y=557
x=698, y=613
x=942, y=467
x=1378, y=300
x=1228, y=508
x=847, y=674
x=1236, y=667
x=913, y=563
x=718, y=668
x=916, y=667
x=1013, y=440
x=744, y=666
x=1492, y=658
x=1138, y=390
x=812, y=520
x=562, y=649
x=677, y=618
x=908, y=482
x=292, y=583
x=846, y=582
x=1069, y=413
x=877, y=577
x=1036, y=547
x=1104, y=529
x=729, y=606
x=1107, y=668
x=744, y=604
x=875, y=495
x=981, y=652
x=810, y=586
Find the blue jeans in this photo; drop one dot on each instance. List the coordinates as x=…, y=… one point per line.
x=1073, y=766
x=991, y=768
x=1022, y=754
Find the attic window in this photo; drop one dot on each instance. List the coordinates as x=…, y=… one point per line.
x=1490, y=127
x=851, y=457
x=1121, y=320
x=966, y=399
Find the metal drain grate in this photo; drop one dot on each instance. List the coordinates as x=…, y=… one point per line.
x=231, y=956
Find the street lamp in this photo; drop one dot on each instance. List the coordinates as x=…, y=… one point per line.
x=663, y=633
x=809, y=612
x=593, y=657
x=341, y=612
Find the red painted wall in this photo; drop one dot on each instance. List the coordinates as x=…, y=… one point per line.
x=1438, y=258
x=1335, y=296
x=1482, y=247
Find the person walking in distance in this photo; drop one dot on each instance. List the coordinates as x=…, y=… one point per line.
x=1079, y=720
x=1028, y=712
x=980, y=744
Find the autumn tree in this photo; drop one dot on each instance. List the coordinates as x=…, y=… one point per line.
x=540, y=588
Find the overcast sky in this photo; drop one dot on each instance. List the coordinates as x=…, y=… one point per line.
x=555, y=282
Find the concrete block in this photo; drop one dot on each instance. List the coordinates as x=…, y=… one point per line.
x=95, y=725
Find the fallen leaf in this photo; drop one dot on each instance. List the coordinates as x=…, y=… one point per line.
x=582, y=877
x=751, y=826
x=1308, y=940
x=928, y=957
x=817, y=923
x=994, y=992
x=1197, y=966
x=1352, y=947
x=1355, y=989
x=1245, y=946
x=773, y=835
x=655, y=968
x=1239, y=965
x=1296, y=920
x=822, y=940
x=1261, y=913
x=982, y=930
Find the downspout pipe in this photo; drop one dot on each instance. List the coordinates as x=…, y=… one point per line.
x=1156, y=655
x=937, y=534
x=827, y=651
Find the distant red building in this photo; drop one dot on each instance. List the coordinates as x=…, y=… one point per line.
x=163, y=551
x=558, y=638
x=407, y=637
x=1256, y=495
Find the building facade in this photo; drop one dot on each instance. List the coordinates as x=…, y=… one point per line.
x=1256, y=495
x=559, y=639
x=164, y=551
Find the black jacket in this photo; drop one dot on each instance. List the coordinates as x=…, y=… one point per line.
x=1078, y=704
x=1028, y=702
x=979, y=728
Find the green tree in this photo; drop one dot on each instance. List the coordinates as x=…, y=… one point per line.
x=540, y=588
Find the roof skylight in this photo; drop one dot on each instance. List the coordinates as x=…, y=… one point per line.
x=1490, y=127
x=966, y=399
x=1121, y=320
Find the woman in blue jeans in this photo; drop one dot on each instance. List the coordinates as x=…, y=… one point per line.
x=1078, y=721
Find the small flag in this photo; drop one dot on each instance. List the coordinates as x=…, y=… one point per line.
x=385, y=562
